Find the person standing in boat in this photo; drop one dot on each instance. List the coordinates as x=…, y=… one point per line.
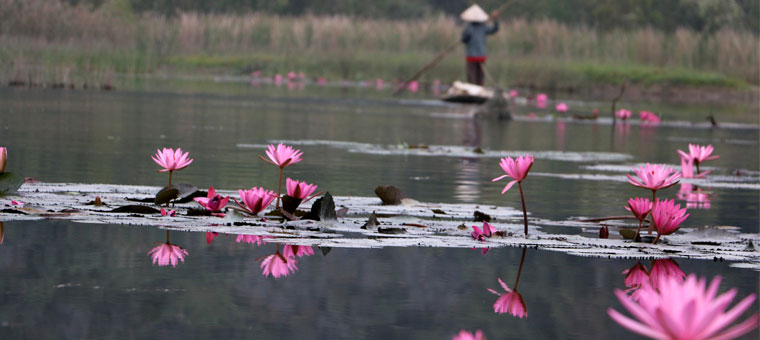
x=474, y=38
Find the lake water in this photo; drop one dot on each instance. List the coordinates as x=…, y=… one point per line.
x=71, y=281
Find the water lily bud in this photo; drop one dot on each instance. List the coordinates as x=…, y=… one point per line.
x=604, y=232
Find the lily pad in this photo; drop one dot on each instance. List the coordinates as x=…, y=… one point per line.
x=182, y=192
x=372, y=222
x=323, y=209
x=389, y=194
x=290, y=204
x=9, y=183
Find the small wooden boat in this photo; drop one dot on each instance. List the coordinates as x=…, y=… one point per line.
x=466, y=93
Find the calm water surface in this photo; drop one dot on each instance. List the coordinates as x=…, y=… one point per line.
x=74, y=281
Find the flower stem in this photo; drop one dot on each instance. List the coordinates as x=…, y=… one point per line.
x=697, y=163
x=641, y=222
x=525, y=211
x=651, y=220
x=167, y=236
x=519, y=271
x=656, y=239
x=279, y=189
x=171, y=172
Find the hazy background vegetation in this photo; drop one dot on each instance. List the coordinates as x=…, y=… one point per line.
x=543, y=43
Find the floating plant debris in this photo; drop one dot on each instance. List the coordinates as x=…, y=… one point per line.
x=51, y=200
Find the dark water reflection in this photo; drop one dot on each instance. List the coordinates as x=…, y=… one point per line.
x=73, y=281
x=63, y=280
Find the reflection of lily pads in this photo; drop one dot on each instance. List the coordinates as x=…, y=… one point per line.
x=182, y=192
x=9, y=183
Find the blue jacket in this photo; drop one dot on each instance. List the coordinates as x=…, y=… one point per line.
x=474, y=36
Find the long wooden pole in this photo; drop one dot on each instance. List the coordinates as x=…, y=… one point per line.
x=440, y=56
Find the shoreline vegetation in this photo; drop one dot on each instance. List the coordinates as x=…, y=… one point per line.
x=55, y=44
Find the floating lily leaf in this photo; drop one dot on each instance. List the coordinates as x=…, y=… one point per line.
x=182, y=192
x=325, y=250
x=372, y=222
x=439, y=211
x=481, y=217
x=13, y=211
x=389, y=194
x=9, y=183
x=323, y=209
x=290, y=204
x=136, y=209
x=166, y=195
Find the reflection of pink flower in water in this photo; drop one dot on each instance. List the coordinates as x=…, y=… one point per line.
x=636, y=277
x=210, y=236
x=512, y=93
x=510, y=302
x=689, y=309
x=664, y=269
x=292, y=251
x=695, y=198
x=465, y=335
x=252, y=239
x=278, y=265
x=167, y=253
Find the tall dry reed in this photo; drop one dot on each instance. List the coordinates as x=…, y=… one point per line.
x=727, y=51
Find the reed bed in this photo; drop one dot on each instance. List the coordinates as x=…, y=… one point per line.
x=53, y=34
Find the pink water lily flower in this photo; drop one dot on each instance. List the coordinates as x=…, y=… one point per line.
x=278, y=265
x=640, y=207
x=649, y=117
x=255, y=199
x=282, y=155
x=561, y=107
x=654, y=177
x=300, y=190
x=212, y=202
x=516, y=168
x=166, y=253
x=171, y=159
x=3, y=158
x=292, y=251
x=510, y=302
x=681, y=310
x=170, y=213
x=512, y=93
x=481, y=235
x=465, y=335
x=623, y=114
x=667, y=217
x=541, y=100
x=701, y=153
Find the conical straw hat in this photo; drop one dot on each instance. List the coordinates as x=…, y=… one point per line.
x=474, y=14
